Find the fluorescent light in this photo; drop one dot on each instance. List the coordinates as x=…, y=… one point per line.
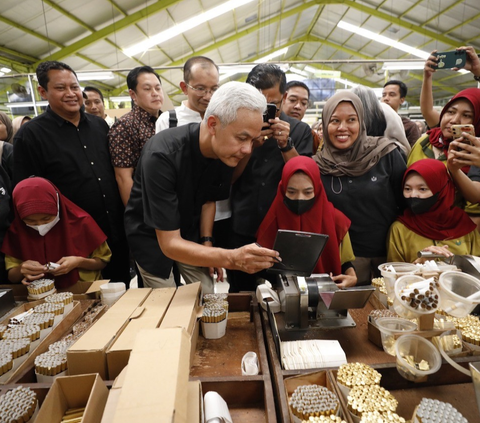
x=382, y=39
x=94, y=76
x=26, y=104
x=120, y=99
x=5, y=70
x=272, y=55
x=403, y=65
x=295, y=77
x=2, y=73
x=323, y=73
x=346, y=82
x=298, y=72
x=184, y=26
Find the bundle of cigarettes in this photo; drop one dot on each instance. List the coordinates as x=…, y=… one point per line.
x=6, y=363
x=422, y=296
x=377, y=314
x=60, y=297
x=32, y=332
x=86, y=322
x=44, y=320
x=469, y=326
x=352, y=374
x=313, y=401
x=18, y=405
x=40, y=286
x=213, y=313
x=380, y=284
x=376, y=417
x=73, y=415
x=55, y=308
x=17, y=347
x=363, y=399
x=50, y=363
x=325, y=419
x=3, y=328
x=19, y=318
x=434, y=411
x=213, y=298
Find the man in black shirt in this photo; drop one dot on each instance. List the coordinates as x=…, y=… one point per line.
x=179, y=170
x=69, y=147
x=254, y=190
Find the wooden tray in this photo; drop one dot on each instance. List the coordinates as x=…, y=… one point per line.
x=217, y=364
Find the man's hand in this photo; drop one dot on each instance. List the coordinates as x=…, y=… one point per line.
x=32, y=270
x=281, y=131
x=251, y=258
x=67, y=264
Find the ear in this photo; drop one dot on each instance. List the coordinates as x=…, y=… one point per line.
x=133, y=96
x=212, y=124
x=42, y=91
x=183, y=86
x=402, y=100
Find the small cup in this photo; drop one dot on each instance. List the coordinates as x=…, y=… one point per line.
x=391, y=326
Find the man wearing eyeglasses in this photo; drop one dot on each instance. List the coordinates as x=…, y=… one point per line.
x=258, y=174
x=200, y=81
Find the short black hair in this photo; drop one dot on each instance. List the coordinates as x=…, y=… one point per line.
x=204, y=61
x=403, y=88
x=300, y=84
x=96, y=90
x=44, y=67
x=266, y=75
x=132, y=77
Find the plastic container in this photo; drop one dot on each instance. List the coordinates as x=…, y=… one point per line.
x=401, y=269
x=419, y=349
x=111, y=292
x=401, y=307
x=390, y=327
x=459, y=293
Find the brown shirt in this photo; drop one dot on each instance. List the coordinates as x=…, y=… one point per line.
x=411, y=130
x=128, y=135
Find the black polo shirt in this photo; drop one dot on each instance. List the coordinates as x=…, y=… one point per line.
x=76, y=160
x=254, y=191
x=172, y=182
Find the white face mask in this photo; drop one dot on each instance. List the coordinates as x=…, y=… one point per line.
x=44, y=229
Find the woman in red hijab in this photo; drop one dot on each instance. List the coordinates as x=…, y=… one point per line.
x=301, y=205
x=431, y=222
x=49, y=228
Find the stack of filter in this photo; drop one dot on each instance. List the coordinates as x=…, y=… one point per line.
x=54, y=361
x=18, y=405
x=434, y=411
x=309, y=401
x=311, y=354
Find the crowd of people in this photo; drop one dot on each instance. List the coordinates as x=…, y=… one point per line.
x=205, y=187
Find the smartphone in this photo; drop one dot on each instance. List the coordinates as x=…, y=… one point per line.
x=451, y=59
x=270, y=113
x=458, y=129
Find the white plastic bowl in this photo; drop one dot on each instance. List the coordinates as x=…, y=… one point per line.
x=391, y=326
x=400, y=306
x=459, y=293
x=389, y=277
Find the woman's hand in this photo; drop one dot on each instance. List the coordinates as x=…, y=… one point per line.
x=32, y=270
x=67, y=264
x=344, y=281
x=464, y=151
x=430, y=64
x=441, y=250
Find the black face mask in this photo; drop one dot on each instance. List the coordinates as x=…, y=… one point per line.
x=421, y=205
x=298, y=206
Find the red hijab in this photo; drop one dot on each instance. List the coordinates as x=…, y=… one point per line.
x=76, y=234
x=322, y=218
x=435, y=135
x=444, y=220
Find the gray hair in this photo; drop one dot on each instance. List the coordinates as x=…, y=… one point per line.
x=374, y=118
x=231, y=97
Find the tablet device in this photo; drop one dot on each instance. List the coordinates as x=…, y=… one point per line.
x=299, y=252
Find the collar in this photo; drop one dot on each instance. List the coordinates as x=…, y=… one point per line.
x=62, y=121
x=143, y=115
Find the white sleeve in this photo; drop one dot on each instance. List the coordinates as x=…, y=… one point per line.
x=162, y=122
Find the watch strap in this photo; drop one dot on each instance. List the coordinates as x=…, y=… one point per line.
x=288, y=146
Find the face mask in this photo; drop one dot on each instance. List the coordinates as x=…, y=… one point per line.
x=421, y=205
x=44, y=229
x=298, y=206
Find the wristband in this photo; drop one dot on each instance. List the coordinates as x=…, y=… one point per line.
x=287, y=147
x=207, y=239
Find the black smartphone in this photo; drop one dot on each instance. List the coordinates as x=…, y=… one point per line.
x=451, y=59
x=270, y=113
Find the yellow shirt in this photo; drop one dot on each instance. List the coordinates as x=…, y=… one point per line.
x=346, y=250
x=403, y=244
x=102, y=252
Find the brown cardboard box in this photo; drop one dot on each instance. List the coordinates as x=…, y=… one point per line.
x=68, y=392
x=155, y=386
x=88, y=354
x=60, y=330
x=148, y=316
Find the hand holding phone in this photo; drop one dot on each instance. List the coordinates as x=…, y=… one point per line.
x=451, y=59
x=458, y=130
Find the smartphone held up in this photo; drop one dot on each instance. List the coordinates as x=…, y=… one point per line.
x=270, y=113
x=459, y=130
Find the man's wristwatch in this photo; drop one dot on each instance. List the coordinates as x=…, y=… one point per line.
x=204, y=239
x=477, y=78
x=287, y=147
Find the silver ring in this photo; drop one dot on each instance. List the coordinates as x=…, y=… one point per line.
x=279, y=132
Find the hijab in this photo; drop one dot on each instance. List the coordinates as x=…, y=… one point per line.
x=435, y=135
x=8, y=123
x=443, y=220
x=18, y=122
x=76, y=234
x=322, y=218
x=362, y=155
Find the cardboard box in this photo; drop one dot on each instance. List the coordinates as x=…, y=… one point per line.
x=68, y=392
x=60, y=330
x=147, y=316
x=88, y=354
x=155, y=386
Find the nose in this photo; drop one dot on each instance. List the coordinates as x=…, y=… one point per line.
x=247, y=148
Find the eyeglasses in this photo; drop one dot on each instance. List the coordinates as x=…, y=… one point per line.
x=202, y=91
